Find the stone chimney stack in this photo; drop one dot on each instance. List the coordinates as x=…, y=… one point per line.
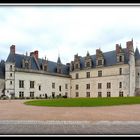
x=117, y=48
x=98, y=53
x=129, y=45
x=13, y=49
x=36, y=54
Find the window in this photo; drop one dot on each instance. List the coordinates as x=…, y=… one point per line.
x=26, y=65
x=53, y=94
x=88, y=64
x=45, y=68
x=99, y=62
x=10, y=74
x=138, y=73
x=10, y=82
x=99, y=85
x=121, y=94
x=10, y=67
x=88, y=86
x=99, y=94
x=120, y=85
x=59, y=70
x=32, y=94
x=46, y=96
x=39, y=87
x=77, y=94
x=76, y=87
x=21, y=94
x=59, y=88
x=53, y=85
x=99, y=73
x=76, y=66
x=66, y=94
x=66, y=86
x=120, y=59
x=108, y=85
x=77, y=76
x=120, y=71
x=108, y=94
x=21, y=84
x=88, y=74
x=32, y=84
x=88, y=94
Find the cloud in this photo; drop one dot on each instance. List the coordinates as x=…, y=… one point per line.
x=66, y=29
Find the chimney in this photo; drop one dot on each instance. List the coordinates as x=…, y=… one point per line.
x=36, y=54
x=12, y=49
x=98, y=52
x=117, y=48
x=129, y=45
x=31, y=53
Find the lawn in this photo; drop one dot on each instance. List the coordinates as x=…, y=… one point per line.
x=85, y=102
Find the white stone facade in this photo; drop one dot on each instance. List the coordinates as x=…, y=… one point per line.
x=2, y=82
x=109, y=75
x=119, y=79
x=42, y=84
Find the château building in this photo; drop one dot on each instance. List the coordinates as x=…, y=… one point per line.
x=105, y=74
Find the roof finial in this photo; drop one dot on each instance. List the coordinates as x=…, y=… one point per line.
x=59, y=60
x=87, y=53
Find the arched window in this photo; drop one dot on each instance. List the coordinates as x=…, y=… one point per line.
x=120, y=59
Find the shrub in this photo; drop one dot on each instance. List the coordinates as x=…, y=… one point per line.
x=65, y=96
x=27, y=97
x=5, y=98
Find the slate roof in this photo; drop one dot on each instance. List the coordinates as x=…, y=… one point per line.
x=110, y=59
x=2, y=69
x=52, y=66
x=137, y=54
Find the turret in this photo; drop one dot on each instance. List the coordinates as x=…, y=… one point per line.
x=132, y=78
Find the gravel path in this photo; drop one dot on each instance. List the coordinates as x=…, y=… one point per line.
x=16, y=110
x=19, y=119
x=69, y=128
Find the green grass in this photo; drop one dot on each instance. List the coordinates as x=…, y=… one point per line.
x=85, y=102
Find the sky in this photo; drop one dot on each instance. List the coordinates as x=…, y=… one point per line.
x=67, y=30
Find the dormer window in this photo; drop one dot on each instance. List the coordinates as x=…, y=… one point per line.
x=76, y=62
x=99, y=62
x=45, y=68
x=120, y=58
x=59, y=70
x=99, y=58
x=119, y=53
x=10, y=67
x=76, y=66
x=88, y=61
x=26, y=65
x=88, y=64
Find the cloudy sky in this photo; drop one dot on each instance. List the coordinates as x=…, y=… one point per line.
x=67, y=30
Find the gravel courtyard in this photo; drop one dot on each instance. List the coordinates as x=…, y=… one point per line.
x=19, y=119
x=16, y=110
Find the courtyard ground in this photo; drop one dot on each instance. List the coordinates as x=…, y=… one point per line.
x=17, y=118
x=16, y=110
